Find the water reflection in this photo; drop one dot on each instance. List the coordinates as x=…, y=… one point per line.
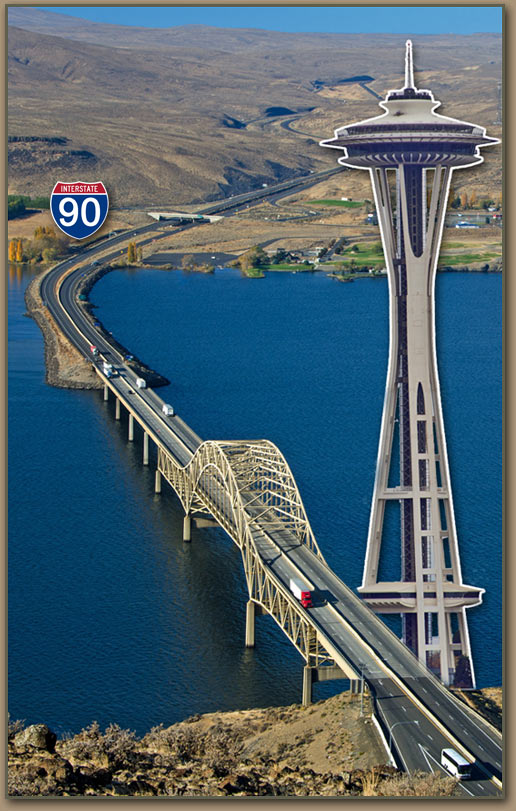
x=19, y=272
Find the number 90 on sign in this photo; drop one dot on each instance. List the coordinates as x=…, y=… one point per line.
x=79, y=209
x=69, y=208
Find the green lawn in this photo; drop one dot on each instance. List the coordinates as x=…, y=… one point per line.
x=254, y=273
x=285, y=266
x=465, y=258
x=367, y=253
x=343, y=203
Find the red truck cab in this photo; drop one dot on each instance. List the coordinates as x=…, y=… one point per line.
x=306, y=599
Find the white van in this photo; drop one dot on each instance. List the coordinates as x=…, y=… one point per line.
x=455, y=764
x=168, y=410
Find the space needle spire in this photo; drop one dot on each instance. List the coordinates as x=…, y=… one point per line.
x=411, y=152
x=409, y=65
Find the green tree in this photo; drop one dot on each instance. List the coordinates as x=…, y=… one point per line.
x=255, y=257
x=15, y=207
x=279, y=256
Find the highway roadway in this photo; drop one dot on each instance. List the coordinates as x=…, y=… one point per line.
x=419, y=715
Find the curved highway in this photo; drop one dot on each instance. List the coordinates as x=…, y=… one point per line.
x=418, y=714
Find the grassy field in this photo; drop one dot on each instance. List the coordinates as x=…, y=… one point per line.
x=340, y=203
x=465, y=258
x=286, y=267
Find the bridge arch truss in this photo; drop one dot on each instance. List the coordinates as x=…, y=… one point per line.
x=248, y=487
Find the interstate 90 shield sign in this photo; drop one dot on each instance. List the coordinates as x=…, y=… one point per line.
x=79, y=208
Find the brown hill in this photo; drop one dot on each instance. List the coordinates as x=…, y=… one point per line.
x=326, y=750
x=191, y=113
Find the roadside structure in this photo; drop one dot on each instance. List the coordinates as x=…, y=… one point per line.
x=411, y=152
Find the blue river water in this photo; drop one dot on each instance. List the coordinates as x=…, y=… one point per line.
x=111, y=617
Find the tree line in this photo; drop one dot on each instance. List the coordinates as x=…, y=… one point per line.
x=463, y=200
x=46, y=245
x=17, y=204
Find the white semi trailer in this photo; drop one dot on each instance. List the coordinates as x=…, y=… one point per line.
x=299, y=590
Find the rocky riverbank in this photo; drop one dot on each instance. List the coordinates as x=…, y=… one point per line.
x=65, y=366
x=325, y=750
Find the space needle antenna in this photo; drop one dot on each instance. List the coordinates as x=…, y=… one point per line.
x=409, y=65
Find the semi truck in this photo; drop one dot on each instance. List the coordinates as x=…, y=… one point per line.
x=140, y=382
x=107, y=367
x=94, y=351
x=168, y=410
x=299, y=590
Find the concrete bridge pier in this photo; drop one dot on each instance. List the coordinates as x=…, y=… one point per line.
x=157, y=482
x=308, y=676
x=314, y=674
x=187, y=528
x=250, y=614
x=106, y=391
x=117, y=409
x=131, y=428
x=145, y=448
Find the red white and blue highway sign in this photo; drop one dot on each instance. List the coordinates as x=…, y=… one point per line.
x=79, y=208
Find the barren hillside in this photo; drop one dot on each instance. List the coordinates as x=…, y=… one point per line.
x=192, y=113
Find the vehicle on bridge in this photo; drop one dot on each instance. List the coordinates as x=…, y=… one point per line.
x=94, y=351
x=299, y=590
x=168, y=410
x=141, y=383
x=455, y=764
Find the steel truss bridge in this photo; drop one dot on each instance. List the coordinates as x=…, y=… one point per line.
x=248, y=489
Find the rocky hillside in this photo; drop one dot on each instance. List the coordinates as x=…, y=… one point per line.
x=193, y=113
x=325, y=750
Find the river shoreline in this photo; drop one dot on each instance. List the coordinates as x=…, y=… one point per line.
x=65, y=367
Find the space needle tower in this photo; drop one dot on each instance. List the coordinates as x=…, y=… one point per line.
x=411, y=152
